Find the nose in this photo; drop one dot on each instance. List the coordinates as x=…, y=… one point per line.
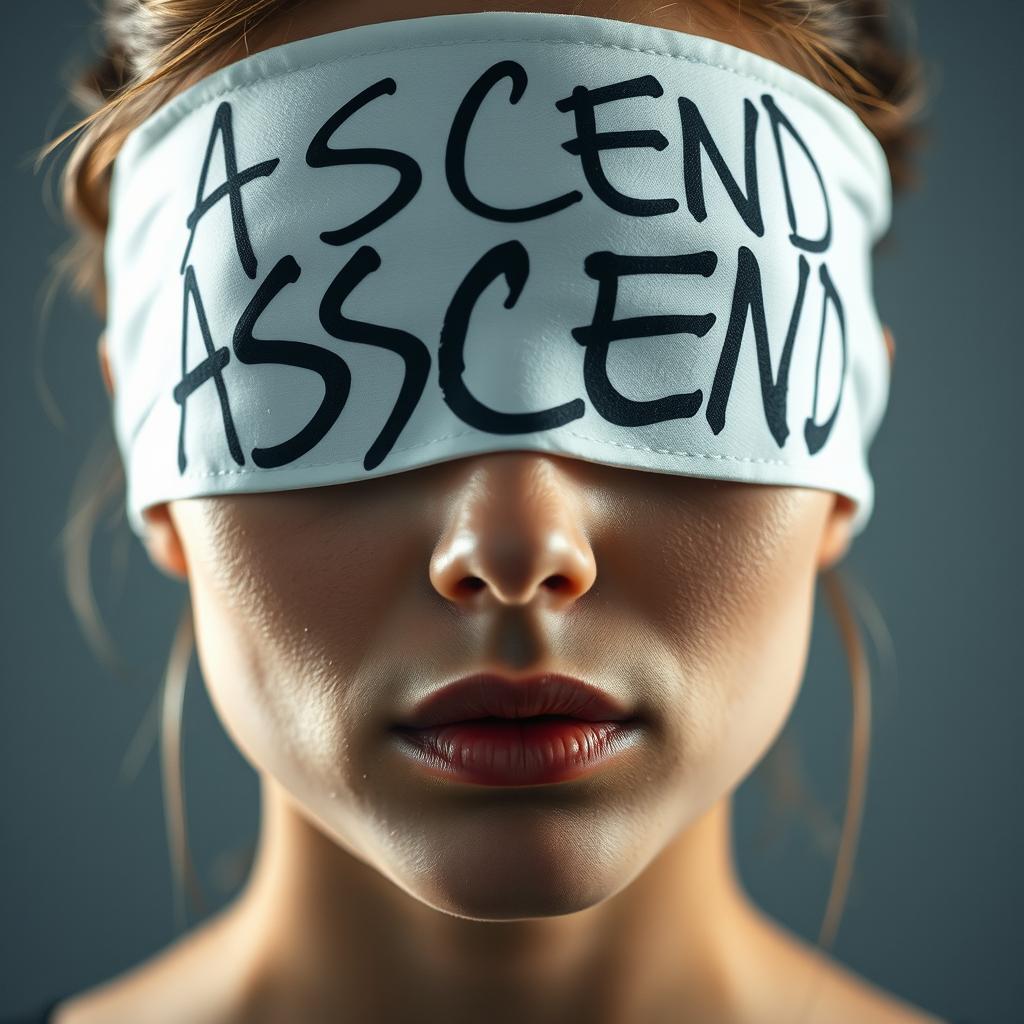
x=515, y=530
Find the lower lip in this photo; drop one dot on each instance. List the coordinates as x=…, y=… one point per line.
x=517, y=752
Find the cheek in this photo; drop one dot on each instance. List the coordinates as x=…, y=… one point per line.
x=280, y=708
x=744, y=621
x=282, y=630
x=760, y=676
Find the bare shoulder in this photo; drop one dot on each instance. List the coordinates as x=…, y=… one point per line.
x=176, y=983
x=850, y=997
x=838, y=994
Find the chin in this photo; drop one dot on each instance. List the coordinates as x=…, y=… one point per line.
x=494, y=899
x=546, y=867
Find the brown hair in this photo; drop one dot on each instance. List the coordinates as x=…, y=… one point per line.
x=849, y=47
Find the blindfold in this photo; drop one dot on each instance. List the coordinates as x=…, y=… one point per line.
x=402, y=243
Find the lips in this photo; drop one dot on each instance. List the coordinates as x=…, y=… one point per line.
x=486, y=695
x=494, y=731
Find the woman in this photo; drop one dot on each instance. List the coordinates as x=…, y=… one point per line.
x=392, y=884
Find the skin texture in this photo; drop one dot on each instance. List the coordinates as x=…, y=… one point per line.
x=322, y=614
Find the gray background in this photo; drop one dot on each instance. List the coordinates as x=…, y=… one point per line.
x=934, y=913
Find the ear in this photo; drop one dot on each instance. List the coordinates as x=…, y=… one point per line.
x=162, y=539
x=101, y=355
x=163, y=542
x=835, y=537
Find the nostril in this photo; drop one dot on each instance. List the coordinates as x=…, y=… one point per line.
x=557, y=582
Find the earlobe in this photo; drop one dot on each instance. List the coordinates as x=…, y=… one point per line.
x=163, y=542
x=835, y=538
x=104, y=361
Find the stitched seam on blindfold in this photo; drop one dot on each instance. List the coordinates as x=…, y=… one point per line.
x=812, y=94
x=585, y=437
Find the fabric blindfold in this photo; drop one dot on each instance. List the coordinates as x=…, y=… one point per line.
x=407, y=242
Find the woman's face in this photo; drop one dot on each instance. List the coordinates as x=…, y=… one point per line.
x=322, y=614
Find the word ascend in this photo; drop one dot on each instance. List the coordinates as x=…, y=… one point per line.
x=510, y=260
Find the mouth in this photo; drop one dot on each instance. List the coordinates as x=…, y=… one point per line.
x=486, y=695
x=492, y=730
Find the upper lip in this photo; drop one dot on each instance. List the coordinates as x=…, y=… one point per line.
x=487, y=695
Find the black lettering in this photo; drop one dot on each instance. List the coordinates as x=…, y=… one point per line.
x=510, y=260
x=697, y=138
x=607, y=268
x=414, y=353
x=778, y=118
x=211, y=367
x=816, y=434
x=589, y=142
x=455, y=154
x=320, y=154
x=329, y=365
x=232, y=186
x=747, y=297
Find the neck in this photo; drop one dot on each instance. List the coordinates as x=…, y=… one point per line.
x=322, y=930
